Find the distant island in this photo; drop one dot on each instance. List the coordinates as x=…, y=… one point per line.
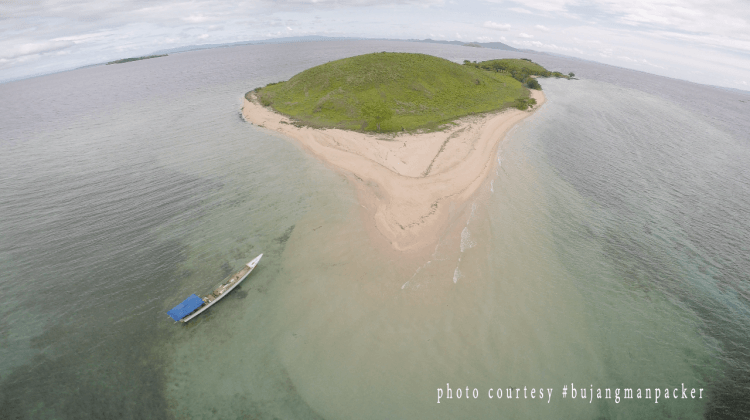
x=391, y=92
x=490, y=45
x=127, y=60
x=416, y=135
x=316, y=38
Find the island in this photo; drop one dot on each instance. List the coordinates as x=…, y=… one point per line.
x=127, y=60
x=416, y=135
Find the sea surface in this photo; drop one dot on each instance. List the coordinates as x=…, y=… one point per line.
x=609, y=250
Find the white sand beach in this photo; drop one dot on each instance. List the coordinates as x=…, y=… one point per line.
x=409, y=184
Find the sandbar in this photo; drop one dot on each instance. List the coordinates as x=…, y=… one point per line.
x=407, y=182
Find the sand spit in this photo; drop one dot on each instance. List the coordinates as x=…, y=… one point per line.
x=410, y=184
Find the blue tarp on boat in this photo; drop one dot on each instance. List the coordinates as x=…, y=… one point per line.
x=187, y=306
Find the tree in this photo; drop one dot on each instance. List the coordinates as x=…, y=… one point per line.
x=524, y=103
x=377, y=111
x=533, y=84
x=571, y=74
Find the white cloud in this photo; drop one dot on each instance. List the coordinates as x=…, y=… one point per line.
x=706, y=39
x=544, y=46
x=700, y=40
x=549, y=5
x=84, y=37
x=643, y=60
x=695, y=16
x=497, y=26
x=196, y=19
x=16, y=51
x=587, y=41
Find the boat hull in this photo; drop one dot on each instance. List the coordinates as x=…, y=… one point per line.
x=224, y=289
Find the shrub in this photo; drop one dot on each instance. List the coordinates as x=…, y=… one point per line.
x=532, y=83
x=265, y=101
x=524, y=103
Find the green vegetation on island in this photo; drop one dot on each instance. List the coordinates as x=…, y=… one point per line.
x=522, y=70
x=390, y=92
x=127, y=60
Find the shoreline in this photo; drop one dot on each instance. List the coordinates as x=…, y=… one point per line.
x=410, y=185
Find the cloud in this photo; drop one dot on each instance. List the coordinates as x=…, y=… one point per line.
x=17, y=51
x=50, y=35
x=643, y=60
x=497, y=26
x=360, y=2
x=85, y=37
x=197, y=19
x=549, y=5
x=544, y=46
x=694, y=16
x=714, y=41
x=639, y=61
x=588, y=41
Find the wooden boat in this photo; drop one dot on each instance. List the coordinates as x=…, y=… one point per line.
x=194, y=305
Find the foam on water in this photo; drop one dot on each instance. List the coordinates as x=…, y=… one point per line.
x=466, y=240
x=457, y=273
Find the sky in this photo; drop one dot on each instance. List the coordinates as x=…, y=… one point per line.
x=703, y=41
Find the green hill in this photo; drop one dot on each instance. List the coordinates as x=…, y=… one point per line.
x=393, y=90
